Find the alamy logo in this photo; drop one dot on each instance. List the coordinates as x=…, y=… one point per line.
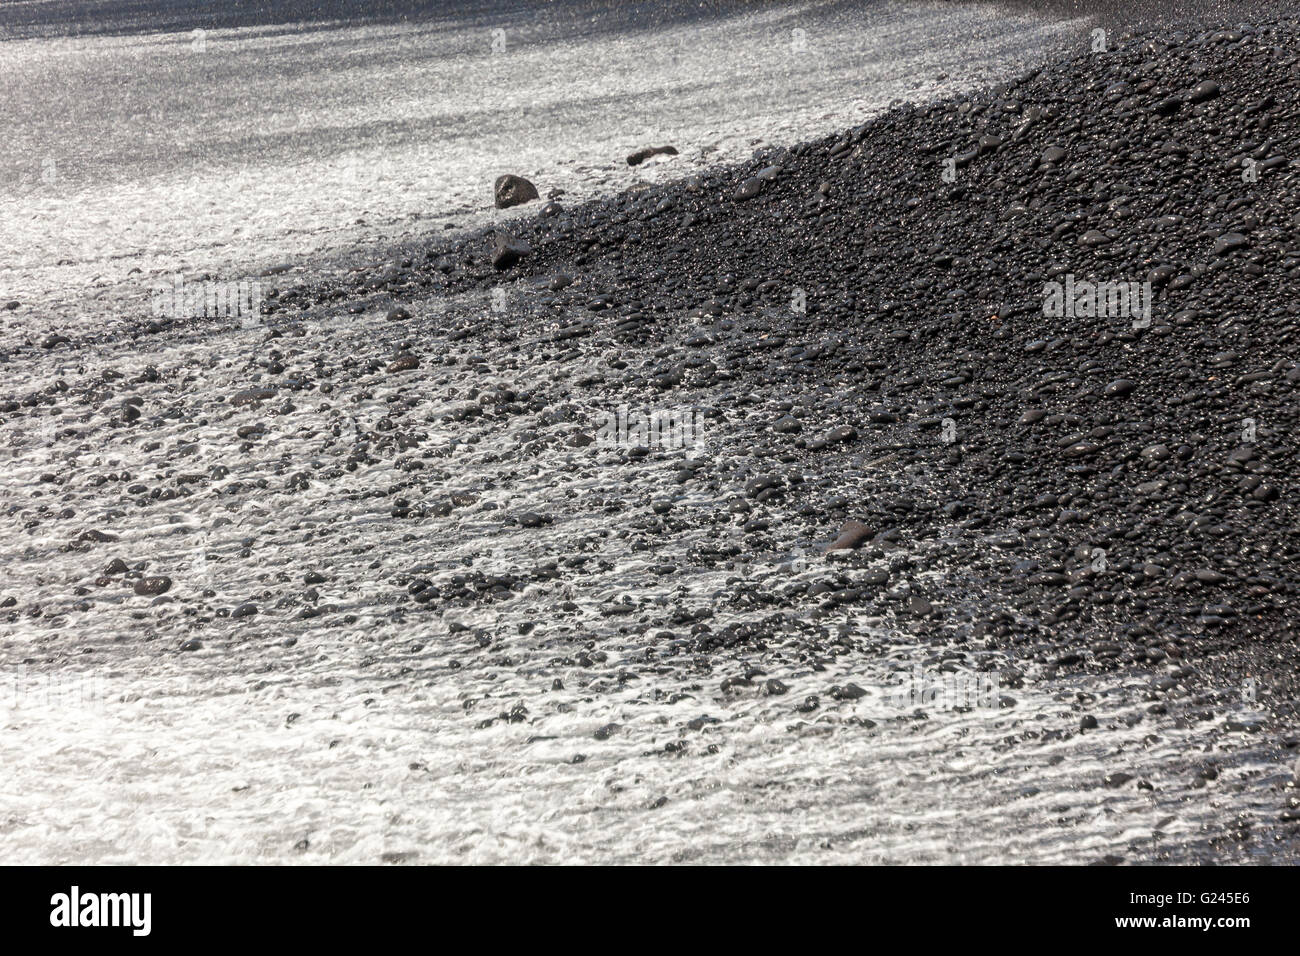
x=945, y=691
x=207, y=299
x=1130, y=300
x=658, y=428
x=57, y=690
x=103, y=909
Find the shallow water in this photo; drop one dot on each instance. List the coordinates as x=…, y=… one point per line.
x=359, y=736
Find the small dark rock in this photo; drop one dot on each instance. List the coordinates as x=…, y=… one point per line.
x=641, y=155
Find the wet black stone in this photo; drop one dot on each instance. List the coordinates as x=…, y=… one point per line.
x=641, y=155
x=154, y=584
x=511, y=190
x=508, y=250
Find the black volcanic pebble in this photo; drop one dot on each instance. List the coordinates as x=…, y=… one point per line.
x=853, y=534
x=156, y=584
x=847, y=692
x=251, y=396
x=1228, y=242
x=508, y=250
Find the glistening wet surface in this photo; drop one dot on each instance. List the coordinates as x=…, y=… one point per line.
x=554, y=701
x=418, y=614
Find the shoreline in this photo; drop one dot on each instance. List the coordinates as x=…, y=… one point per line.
x=345, y=150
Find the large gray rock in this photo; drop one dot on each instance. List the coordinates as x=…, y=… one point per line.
x=513, y=191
